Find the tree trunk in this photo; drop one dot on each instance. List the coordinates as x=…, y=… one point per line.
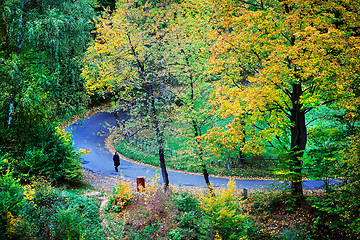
x=298, y=139
x=163, y=168
x=206, y=177
x=200, y=150
x=196, y=128
x=160, y=139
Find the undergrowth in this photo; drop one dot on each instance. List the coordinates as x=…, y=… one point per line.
x=179, y=214
x=40, y=211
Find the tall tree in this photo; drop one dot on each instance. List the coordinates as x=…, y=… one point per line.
x=53, y=35
x=127, y=56
x=188, y=50
x=280, y=60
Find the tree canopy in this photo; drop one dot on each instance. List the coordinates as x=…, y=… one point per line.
x=279, y=61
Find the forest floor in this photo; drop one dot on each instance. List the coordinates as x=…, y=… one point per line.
x=270, y=212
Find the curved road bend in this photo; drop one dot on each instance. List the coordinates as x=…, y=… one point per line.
x=91, y=134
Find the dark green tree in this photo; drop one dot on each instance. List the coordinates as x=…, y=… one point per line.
x=40, y=47
x=53, y=35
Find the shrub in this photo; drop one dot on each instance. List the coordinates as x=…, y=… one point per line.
x=223, y=216
x=50, y=153
x=48, y=213
x=121, y=195
x=153, y=216
x=339, y=212
x=68, y=224
x=186, y=202
x=188, y=216
x=11, y=203
x=188, y=227
x=78, y=218
x=342, y=204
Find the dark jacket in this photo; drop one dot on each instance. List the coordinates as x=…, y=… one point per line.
x=116, y=160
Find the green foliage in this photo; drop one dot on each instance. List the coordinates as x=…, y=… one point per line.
x=41, y=83
x=50, y=154
x=30, y=104
x=78, y=218
x=338, y=212
x=328, y=137
x=44, y=212
x=44, y=34
x=11, y=202
x=224, y=217
x=339, y=209
x=189, y=217
x=186, y=202
x=53, y=155
x=69, y=224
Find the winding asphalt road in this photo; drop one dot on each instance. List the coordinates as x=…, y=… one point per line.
x=91, y=134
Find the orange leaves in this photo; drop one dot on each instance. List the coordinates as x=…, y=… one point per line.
x=263, y=49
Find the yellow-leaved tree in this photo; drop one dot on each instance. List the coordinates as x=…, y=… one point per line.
x=188, y=51
x=280, y=60
x=127, y=57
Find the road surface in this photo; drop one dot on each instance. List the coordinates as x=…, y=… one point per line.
x=91, y=134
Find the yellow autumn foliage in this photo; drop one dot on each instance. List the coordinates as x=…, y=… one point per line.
x=261, y=49
x=223, y=210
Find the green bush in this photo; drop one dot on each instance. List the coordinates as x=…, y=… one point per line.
x=39, y=211
x=189, y=217
x=50, y=153
x=223, y=216
x=11, y=203
x=339, y=212
x=186, y=202
x=68, y=224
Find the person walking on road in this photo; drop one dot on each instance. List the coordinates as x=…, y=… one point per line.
x=116, y=160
